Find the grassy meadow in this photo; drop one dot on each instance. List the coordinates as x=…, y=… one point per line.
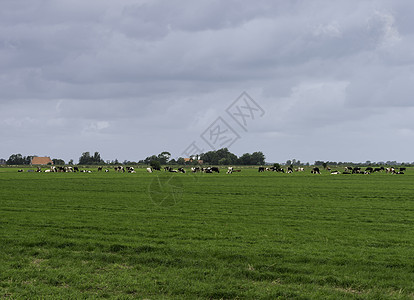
x=244, y=235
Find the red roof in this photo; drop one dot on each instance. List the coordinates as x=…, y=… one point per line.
x=41, y=160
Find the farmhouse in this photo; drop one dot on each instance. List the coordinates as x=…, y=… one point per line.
x=41, y=161
x=190, y=160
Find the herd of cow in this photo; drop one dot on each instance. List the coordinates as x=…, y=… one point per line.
x=348, y=170
x=230, y=170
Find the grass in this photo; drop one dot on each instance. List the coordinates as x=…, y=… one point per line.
x=245, y=235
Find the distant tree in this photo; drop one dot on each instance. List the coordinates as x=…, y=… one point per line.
x=87, y=159
x=288, y=162
x=57, y=161
x=258, y=158
x=155, y=164
x=16, y=159
x=180, y=161
x=164, y=157
x=70, y=162
x=276, y=165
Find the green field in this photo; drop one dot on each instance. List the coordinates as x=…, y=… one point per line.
x=247, y=235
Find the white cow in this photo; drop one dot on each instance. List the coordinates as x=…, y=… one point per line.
x=149, y=170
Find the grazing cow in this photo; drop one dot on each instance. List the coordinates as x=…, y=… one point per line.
x=369, y=169
x=215, y=169
x=348, y=169
x=149, y=170
x=261, y=169
x=120, y=169
x=167, y=169
x=390, y=170
x=99, y=169
x=229, y=170
x=75, y=169
x=335, y=172
x=315, y=170
x=356, y=170
x=289, y=170
x=39, y=169
x=181, y=170
x=378, y=169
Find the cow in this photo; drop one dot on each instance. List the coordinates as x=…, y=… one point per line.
x=39, y=169
x=131, y=170
x=335, y=172
x=356, y=170
x=21, y=170
x=369, y=169
x=149, y=170
x=299, y=169
x=289, y=170
x=403, y=169
x=315, y=170
x=75, y=169
x=390, y=170
x=106, y=170
x=99, y=169
x=348, y=169
x=215, y=169
x=261, y=169
x=229, y=170
x=378, y=169
x=120, y=169
x=181, y=170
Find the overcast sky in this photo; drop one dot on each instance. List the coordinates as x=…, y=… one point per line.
x=330, y=80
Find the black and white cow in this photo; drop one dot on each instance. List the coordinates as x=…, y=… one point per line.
x=315, y=170
x=181, y=170
x=229, y=170
x=261, y=169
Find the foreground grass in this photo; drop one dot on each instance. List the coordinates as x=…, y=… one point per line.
x=245, y=235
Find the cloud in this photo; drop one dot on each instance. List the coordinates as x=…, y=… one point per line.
x=157, y=73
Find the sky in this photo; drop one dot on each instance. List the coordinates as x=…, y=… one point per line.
x=305, y=80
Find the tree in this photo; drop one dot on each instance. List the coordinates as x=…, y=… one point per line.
x=57, y=161
x=257, y=158
x=163, y=157
x=16, y=159
x=70, y=162
x=155, y=164
x=87, y=159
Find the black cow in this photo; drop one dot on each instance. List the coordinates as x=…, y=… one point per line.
x=181, y=170
x=99, y=169
x=369, y=169
x=289, y=170
x=215, y=169
x=261, y=169
x=315, y=170
x=403, y=169
x=356, y=170
x=75, y=169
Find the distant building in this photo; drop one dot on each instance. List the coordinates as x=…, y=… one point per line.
x=41, y=161
x=2, y=161
x=190, y=160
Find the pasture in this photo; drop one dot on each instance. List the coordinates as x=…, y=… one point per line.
x=245, y=235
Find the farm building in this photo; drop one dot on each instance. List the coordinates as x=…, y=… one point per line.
x=2, y=161
x=190, y=160
x=41, y=161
